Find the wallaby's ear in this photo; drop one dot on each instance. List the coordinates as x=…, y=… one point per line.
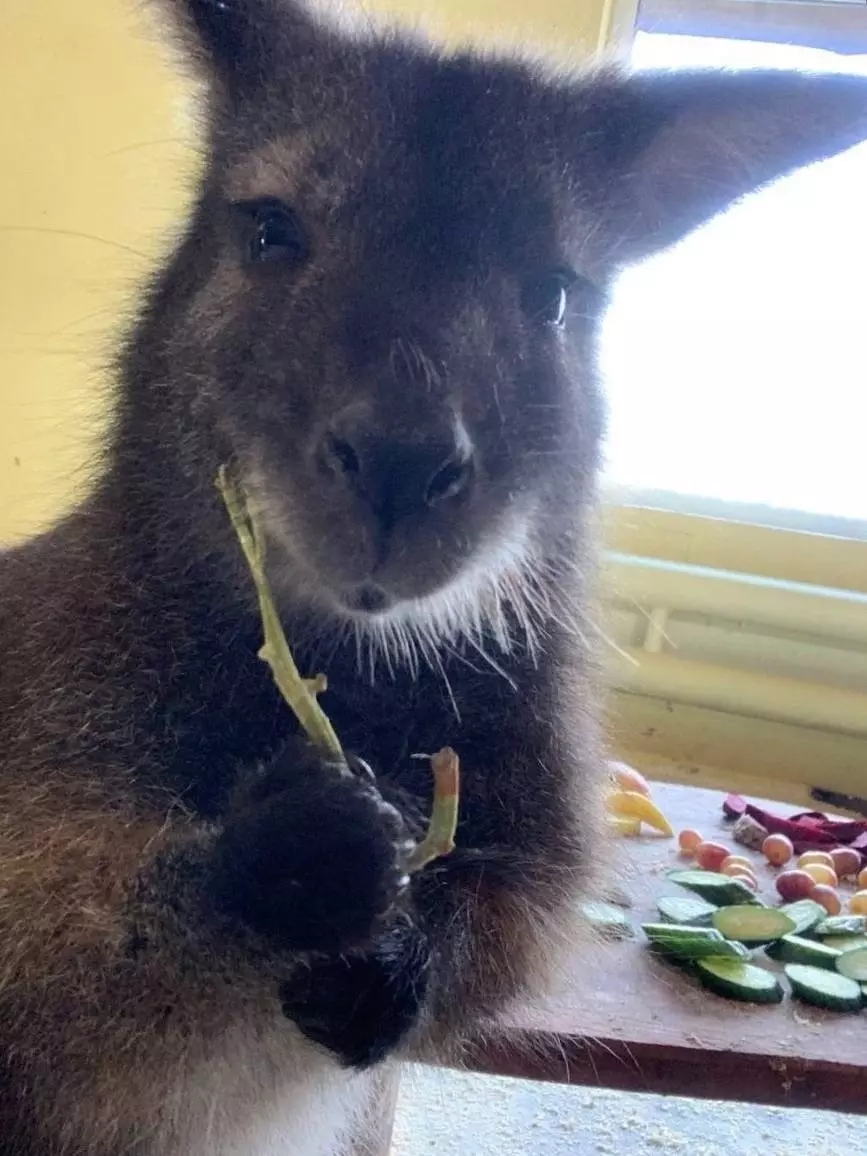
x=660, y=153
x=239, y=42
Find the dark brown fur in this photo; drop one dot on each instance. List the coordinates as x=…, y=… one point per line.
x=158, y=994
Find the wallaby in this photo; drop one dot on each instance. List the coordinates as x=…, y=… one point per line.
x=383, y=316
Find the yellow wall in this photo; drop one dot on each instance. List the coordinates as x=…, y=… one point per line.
x=91, y=181
x=96, y=158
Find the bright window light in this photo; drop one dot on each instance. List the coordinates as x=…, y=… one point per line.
x=736, y=362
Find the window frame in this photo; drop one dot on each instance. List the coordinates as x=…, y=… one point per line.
x=833, y=25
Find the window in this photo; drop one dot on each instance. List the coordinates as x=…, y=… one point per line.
x=745, y=341
x=736, y=467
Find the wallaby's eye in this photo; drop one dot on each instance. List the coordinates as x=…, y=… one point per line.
x=544, y=296
x=273, y=233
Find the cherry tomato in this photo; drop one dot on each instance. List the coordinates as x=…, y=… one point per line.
x=828, y=897
x=847, y=862
x=711, y=856
x=794, y=885
x=689, y=841
x=778, y=849
x=822, y=874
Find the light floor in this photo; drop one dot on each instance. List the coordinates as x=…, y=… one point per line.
x=445, y=1114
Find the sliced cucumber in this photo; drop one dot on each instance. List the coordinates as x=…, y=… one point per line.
x=681, y=931
x=806, y=913
x=825, y=989
x=845, y=942
x=607, y=920
x=692, y=943
x=694, y=950
x=842, y=925
x=796, y=949
x=753, y=924
x=853, y=964
x=687, y=910
x=738, y=980
x=720, y=890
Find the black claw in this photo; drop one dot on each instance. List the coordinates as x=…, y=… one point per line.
x=360, y=768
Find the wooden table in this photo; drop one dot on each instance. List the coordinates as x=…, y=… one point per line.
x=622, y=1018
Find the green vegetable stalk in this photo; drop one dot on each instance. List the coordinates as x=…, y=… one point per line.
x=440, y=837
x=301, y=693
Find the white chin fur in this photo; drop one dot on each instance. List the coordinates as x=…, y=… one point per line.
x=497, y=601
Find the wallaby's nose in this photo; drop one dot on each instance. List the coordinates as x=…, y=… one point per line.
x=399, y=476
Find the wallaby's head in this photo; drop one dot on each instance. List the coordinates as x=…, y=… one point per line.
x=386, y=306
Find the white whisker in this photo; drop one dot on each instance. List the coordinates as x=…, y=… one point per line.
x=504, y=603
